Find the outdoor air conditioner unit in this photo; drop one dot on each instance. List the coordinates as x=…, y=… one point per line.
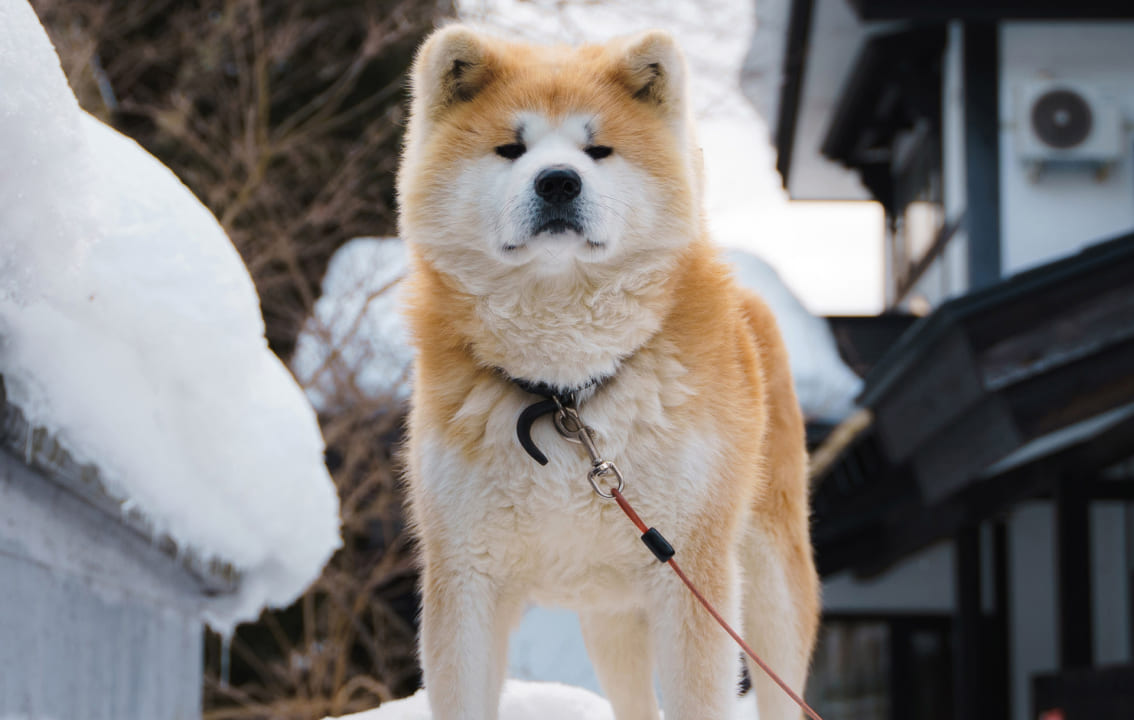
x=1067, y=123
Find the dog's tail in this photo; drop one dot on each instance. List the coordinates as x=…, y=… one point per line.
x=781, y=588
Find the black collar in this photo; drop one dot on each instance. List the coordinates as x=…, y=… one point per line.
x=550, y=392
x=553, y=396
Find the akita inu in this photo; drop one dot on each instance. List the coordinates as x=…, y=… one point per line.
x=551, y=198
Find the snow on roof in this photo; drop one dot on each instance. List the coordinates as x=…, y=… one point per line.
x=130, y=330
x=526, y=700
x=356, y=345
x=39, y=119
x=825, y=385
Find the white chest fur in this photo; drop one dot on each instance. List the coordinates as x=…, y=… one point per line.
x=543, y=527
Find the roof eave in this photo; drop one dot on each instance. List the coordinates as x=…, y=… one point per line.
x=40, y=450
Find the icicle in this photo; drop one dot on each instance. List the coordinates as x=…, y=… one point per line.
x=225, y=658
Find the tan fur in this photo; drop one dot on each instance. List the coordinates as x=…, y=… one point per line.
x=700, y=413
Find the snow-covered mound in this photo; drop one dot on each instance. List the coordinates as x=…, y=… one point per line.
x=355, y=345
x=130, y=329
x=530, y=701
x=520, y=701
x=825, y=385
x=41, y=146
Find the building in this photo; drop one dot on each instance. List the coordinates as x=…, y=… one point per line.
x=973, y=522
x=100, y=616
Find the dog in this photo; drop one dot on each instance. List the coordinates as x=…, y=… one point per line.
x=551, y=200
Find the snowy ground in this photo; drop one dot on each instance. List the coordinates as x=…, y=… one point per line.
x=531, y=701
x=130, y=330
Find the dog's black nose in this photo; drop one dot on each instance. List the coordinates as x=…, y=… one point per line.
x=558, y=184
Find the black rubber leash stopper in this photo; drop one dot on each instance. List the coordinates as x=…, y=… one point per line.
x=658, y=545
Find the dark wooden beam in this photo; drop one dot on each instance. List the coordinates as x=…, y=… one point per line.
x=1129, y=577
x=1015, y=305
x=911, y=526
x=928, y=402
x=791, y=94
x=1000, y=673
x=1093, y=693
x=1073, y=561
x=1073, y=391
x=968, y=628
x=982, y=151
x=1113, y=491
x=902, y=676
x=909, y=275
x=951, y=432
x=955, y=458
x=930, y=10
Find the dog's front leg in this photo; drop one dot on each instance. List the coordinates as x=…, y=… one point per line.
x=698, y=668
x=465, y=622
x=620, y=650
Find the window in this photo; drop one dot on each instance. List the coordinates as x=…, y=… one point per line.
x=883, y=668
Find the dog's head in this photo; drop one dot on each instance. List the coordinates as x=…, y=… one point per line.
x=550, y=159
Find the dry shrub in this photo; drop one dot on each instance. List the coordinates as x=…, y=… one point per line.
x=349, y=643
x=284, y=117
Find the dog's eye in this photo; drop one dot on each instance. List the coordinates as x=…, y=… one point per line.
x=598, y=152
x=511, y=150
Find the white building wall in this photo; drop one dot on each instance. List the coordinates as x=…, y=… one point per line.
x=1033, y=642
x=1060, y=211
x=95, y=622
x=1034, y=593
x=1110, y=589
x=922, y=583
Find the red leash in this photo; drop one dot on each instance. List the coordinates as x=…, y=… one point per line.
x=572, y=427
x=667, y=557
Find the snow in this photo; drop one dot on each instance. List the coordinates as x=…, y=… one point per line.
x=39, y=119
x=356, y=346
x=548, y=646
x=825, y=385
x=130, y=330
x=519, y=701
x=527, y=700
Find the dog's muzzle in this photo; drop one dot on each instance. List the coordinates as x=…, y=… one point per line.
x=557, y=190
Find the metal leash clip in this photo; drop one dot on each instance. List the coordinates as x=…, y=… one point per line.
x=572, y=427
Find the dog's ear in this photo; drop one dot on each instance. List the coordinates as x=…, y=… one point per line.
x=452, y=66
x=652, y=68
